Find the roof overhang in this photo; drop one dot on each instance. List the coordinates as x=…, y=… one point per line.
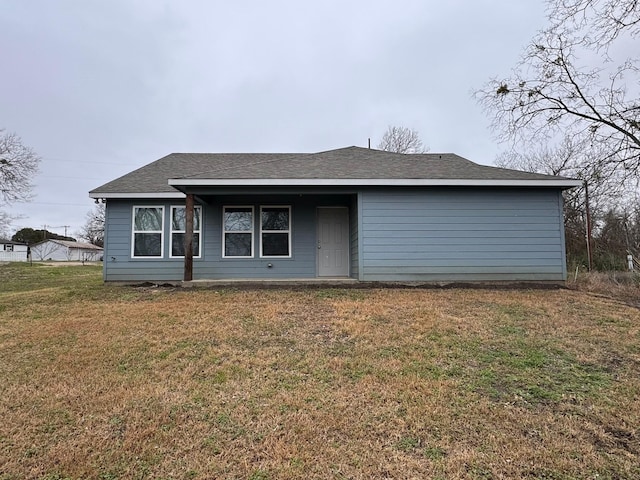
x=382, y=182
x=180, y=183
x=175, y=194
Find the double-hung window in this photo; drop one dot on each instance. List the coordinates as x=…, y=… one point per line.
x=237, y=227
x=148, y=225
x=179, y=227
x=275, y=231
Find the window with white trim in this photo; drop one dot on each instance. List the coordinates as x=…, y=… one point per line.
x=275, y=231
x=179, y=227
x=148, y=225
x=237, y=228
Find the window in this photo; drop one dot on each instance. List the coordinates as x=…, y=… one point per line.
x=148, y=224
x=178, y=230
x=275, y=231
x=8, y=248
x=237, y=227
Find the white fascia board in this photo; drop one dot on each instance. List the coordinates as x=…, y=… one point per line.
x=138, y=195
x=386, y=182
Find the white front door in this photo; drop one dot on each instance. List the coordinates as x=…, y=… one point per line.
x=333, y=242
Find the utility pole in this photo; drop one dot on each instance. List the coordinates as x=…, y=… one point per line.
x=59, y=226
x=588, y=215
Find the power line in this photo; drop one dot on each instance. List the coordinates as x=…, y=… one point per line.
x=62, y=204
x=83, y=162
x=74, y=178
x=44, y=227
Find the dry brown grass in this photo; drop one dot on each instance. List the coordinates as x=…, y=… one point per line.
x=120, y=382
x=624, y=286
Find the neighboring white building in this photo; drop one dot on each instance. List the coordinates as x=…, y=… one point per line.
x=64, y=250
x=11, y=251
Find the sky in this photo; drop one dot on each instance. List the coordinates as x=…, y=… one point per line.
x=100, y=88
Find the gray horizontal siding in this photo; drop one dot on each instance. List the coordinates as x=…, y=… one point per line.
x=478, y=270
x=461, y=235
x=466, y=277
x=353, y=238
x=118, y=264
x=493, y=257
x=396, y=235
x=443, y=238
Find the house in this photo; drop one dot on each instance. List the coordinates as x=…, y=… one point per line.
x=11, y=251
x=64, y=250
x=353, y=212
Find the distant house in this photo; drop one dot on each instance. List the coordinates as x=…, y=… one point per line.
x=11, y=251
x=64, y=250
x=353, y=212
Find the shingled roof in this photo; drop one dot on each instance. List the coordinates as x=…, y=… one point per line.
x=345, y=166
x=72, y=245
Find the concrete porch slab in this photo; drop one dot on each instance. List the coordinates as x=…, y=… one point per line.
x=275, y=282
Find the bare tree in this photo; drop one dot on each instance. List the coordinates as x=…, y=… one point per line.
x=5, y=221
x=18, y=165
x=45, y=250
x=402, y=140
x=550, y=92
x=574, y=158
x=93, y=230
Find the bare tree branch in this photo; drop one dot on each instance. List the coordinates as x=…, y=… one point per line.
x=551, y=94
x=604, y=20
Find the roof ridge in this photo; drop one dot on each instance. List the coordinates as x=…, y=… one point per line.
x=71, y=243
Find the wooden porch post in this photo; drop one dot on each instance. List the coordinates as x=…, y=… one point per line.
x=188, y=239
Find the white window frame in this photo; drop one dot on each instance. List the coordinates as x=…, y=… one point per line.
x=252, y=231
x=134, y=231
x=8, y=248
x=196, y=208
x=288, y=232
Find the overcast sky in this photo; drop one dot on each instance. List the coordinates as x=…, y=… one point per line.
x=99, y=88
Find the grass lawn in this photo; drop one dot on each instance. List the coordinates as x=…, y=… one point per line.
x=111, y=382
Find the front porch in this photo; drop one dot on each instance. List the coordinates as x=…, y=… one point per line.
x=270, y=236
